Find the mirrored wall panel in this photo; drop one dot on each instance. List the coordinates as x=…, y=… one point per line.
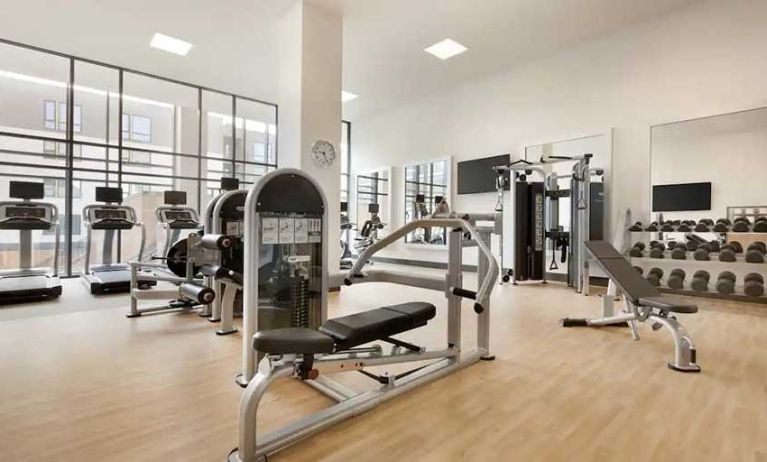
x=426, y=184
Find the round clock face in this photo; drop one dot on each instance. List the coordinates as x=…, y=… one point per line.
x=323, y=153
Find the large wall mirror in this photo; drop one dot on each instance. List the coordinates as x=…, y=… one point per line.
x=600, y=146
x=372, y=192
x=426, y=183
x=723, y=155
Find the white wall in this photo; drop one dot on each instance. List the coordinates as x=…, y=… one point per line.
x=706, y=59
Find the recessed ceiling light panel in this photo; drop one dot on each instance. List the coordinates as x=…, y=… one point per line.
x=446, y=49
x=347, y=96
x=170, y=44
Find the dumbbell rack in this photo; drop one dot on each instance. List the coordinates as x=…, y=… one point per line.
x=714, y=267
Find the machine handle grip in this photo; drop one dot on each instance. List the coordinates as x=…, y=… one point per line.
x=465, y=293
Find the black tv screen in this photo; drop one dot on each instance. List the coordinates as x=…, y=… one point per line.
x=681, y=197
x=478, y=176
x=175, y=197
x=26, y=190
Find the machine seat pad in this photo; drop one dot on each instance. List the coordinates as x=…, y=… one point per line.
x=669, y=304
x=367, y=326
x=292, y=340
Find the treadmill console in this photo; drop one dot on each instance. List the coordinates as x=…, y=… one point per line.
x=25, y=212
x=175, y=215
x=110, y=215
x=26, y=216
x=179, y=218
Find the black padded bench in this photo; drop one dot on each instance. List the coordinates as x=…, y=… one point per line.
x=638, y=290
x=347, y=331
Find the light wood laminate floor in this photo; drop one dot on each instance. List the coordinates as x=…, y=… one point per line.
x=95, y=386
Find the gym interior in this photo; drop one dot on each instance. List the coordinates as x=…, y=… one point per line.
x=349, y=230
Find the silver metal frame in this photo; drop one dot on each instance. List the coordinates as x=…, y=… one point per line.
x=106, y=254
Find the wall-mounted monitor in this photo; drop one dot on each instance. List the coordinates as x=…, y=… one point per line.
x=681, y=197
x=477, y=176
x=230, y=184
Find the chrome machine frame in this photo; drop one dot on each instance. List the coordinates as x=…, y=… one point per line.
x=349, y=403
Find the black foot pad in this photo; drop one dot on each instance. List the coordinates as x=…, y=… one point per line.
x=570, y=322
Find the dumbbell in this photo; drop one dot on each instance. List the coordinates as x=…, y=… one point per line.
x=636, y=227
x=654, y=276
x=652, y=227
x=637, y=250
x=639, y=269
x=760, y=225
x=714, y=246
x=741, y=225
x=727, y=253
x=755, y=252
x=676, y=279
x=691, y=245
x=702, y=253
x=722, y=225
x=753, y=285
x=736, y=246
x=685, y=227
x=679, y=252
x=702, y=227
x=700, y=281
x=725, y=283
x=657, y=249
x=667, y=227
x=706, y=221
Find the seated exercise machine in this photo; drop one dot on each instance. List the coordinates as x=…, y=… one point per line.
x=28, y=283
x=286, y=220
x=111, y=217
x=642, y=302
x=225, y=216
x=182, y=258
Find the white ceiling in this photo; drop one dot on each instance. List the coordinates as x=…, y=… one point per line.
x=385, y=64
x=234, y=48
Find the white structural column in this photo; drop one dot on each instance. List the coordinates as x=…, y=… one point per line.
x=310, y=62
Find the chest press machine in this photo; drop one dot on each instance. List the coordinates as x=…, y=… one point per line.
x=295, y=339
x=642, y=302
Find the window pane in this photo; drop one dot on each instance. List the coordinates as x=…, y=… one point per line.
x=255, y=139
x=217, y=125
x=97, y=103
x=166, y=114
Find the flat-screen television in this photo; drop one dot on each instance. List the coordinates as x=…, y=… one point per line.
x=477, y=176
x=109, y=195
x=230, y=184
x=681, y=197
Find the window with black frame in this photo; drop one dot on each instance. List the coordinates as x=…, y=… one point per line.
x=372, y=189
x=76, y=125
x=425, y=183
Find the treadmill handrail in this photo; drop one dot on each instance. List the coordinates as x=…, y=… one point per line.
x=485, y=286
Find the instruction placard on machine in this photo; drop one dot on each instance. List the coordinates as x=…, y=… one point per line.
x=291, y=230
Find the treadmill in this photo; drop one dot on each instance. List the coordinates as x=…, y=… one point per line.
x=112, y=218
x=28, y=283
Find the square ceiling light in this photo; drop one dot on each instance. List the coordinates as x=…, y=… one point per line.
x=170, y=44
x=347, y=96
x=446, y=49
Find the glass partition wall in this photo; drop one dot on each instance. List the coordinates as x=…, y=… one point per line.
x=77, y=124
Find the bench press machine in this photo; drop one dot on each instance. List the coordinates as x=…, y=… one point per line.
x=642, y=302
x=310, y=345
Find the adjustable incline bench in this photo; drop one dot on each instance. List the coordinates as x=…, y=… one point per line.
x=642, y=302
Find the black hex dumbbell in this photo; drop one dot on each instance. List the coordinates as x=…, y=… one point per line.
x=679, y=252
x=691, y=245
x=684, y=227
x=636, y=227
x=753, y=285
x=702, y=253
x=700, y=281
x=722, y=225
x=727, y=253
x=639, y=269
x=656, y=249
x=755, y=252
x=760, y=225
x=654, y=276
x=714, y=246
x=676, y=279
x=652, y=227
x=741, y=225
x=637, y=250
x=668, y=227
x=725, y=283
x=736, y=246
